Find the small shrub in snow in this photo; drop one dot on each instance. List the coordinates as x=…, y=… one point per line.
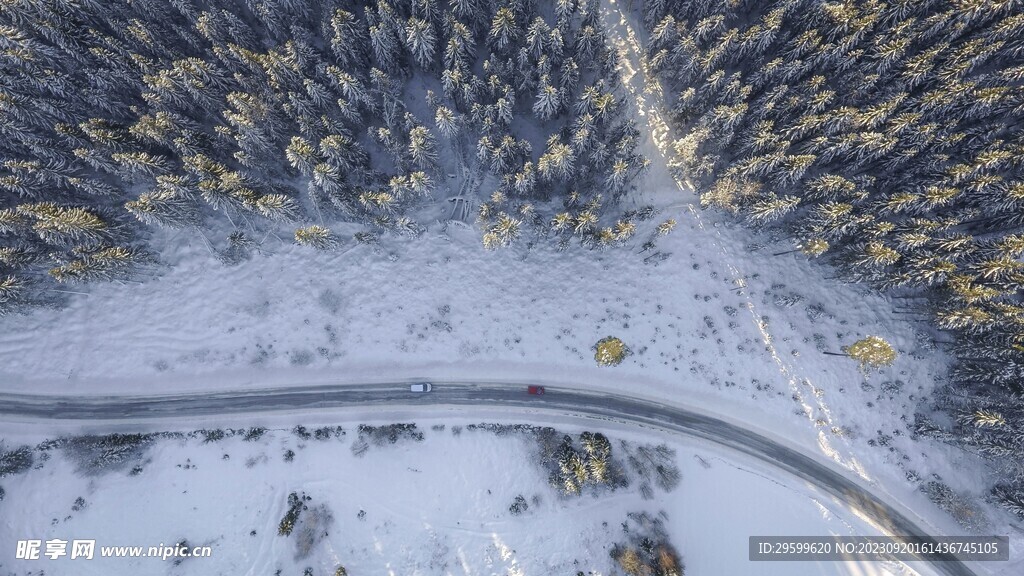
x=183, y=543
x=519, y=505
x=212, y=435
x=253, y=434
x=296, y=504
x=16, y=461
x=300, y=358
x=647, y=550
x=814, y=247
x=95, y=454
x=787, y=300
x=328, y=432
x=648, y=559
x=610, y=351
x=366, y=237
x=301, y=432
x=892, y=387
x=956, y=505
x=653, y=463
x=381, y=435
x=504, y=429
x=871, y=352
x=630, y=562
x=340, y=571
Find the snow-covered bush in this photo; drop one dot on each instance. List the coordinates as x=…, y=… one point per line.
x=647, y=550
x=253, y=434
x=16, y=461
x=98, y=454
x=573, y=469
x=655, y=464
x=296, y=505
x=956, y=505
x=383, y=435
x=519, y=505
x=212, y=435
x=328, y=432
x=871, y=352
x=610, y=351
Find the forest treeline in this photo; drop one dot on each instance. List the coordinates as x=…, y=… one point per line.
x=886, y=138
x=242, y=117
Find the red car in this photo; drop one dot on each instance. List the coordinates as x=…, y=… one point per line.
x=535, y=390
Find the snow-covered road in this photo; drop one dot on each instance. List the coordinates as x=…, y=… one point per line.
x=509, y=396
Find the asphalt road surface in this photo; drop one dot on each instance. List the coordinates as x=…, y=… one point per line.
x=490, y=395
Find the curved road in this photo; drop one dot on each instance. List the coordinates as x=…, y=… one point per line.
x=504, y=395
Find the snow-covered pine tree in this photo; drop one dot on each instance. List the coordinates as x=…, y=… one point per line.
x=422, y=147
x=548, y=101
x=421, y=41
x=504, y=29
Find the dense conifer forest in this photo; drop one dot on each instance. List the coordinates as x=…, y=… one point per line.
x=122, y=116
x=885, y=138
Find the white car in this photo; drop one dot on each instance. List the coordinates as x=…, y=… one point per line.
x=421, y=387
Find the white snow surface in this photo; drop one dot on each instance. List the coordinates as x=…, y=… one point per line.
x=720, y=324
x=440, y=506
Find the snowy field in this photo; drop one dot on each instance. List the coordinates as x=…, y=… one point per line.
x=440, y=505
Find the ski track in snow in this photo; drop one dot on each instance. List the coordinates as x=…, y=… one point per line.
x=644, y=87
